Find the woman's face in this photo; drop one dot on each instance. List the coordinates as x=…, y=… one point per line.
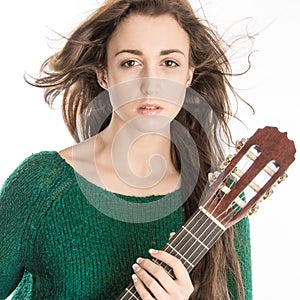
x=148, y=68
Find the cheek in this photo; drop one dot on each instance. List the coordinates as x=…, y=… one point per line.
x=112, y=79
x=125, y=111
x=172, y=110
x=113, y=73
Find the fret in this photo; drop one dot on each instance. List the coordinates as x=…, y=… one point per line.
x=129, y=293
x=197, y=251
x=195, y=238
x=165, y=266
x=133, y=296
x=209, y=233
x=199, y=241
x=217, y=222
x=182, y=240
x=196, y=234
x=180, y=255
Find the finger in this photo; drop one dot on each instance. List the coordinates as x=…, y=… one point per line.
x=158, y=272
x=140, y=288
x=171, y=235
x=179, y=269
x=143, y=280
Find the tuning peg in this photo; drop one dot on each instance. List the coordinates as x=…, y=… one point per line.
x=240, y=144
x=212, y=177
x=283, y=177
x=267, y=194
x=253, y=210
x=226, y=162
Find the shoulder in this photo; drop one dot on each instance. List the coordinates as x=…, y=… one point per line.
x=25, y=192
x=41, y=157
x=34, y=169
x=33, y=185
x=38, y=161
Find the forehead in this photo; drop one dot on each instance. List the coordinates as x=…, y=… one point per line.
x=149, y=33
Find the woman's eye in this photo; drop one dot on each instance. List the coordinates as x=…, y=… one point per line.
x=129, y=63
x=171, y=63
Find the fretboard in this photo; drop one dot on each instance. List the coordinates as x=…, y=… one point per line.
x=189, y=245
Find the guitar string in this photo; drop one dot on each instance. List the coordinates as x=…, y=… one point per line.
x=183, y=232
x=263, y=176
x=191, y=241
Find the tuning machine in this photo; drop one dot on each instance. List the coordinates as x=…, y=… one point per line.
x=226, y=162
x=270, y=191
x=283, y=177
x=255, y=208
x=240, y=144
x=267, y=194
x=212, y=177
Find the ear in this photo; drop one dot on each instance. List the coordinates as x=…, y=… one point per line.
x=102, y=79
x=190, y=76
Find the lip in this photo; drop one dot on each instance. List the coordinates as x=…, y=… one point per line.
x=149, y=112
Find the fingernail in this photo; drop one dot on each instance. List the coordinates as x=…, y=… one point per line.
x=171, y=235
x=136, y=267
x=153, y=251
x=139, y=260
x=134, y=277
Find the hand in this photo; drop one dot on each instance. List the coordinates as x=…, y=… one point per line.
x=158, y=281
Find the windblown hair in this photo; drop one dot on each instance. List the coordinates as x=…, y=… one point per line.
x=72, y=74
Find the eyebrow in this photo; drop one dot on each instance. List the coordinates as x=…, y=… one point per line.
x=138, y=52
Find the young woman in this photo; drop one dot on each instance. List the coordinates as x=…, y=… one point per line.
x=144, y=86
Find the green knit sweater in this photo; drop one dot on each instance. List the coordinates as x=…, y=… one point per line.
x=59, y=238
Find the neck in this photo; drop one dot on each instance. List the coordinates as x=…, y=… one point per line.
x=144, y=152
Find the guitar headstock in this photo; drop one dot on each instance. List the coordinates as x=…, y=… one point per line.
x=248, y=177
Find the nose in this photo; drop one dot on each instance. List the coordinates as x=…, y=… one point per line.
x=150, y=82
x=150, y=86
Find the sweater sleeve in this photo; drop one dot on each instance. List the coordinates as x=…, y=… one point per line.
x=17, y=205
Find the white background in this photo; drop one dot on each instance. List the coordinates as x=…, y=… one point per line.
x=27, y=125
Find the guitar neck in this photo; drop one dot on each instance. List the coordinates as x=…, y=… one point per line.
x=189, y=245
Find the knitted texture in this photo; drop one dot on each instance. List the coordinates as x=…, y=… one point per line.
x=64, y=238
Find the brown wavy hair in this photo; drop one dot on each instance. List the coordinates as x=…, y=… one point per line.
x=71, y=73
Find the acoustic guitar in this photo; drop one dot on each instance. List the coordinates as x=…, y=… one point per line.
x=244, y=180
